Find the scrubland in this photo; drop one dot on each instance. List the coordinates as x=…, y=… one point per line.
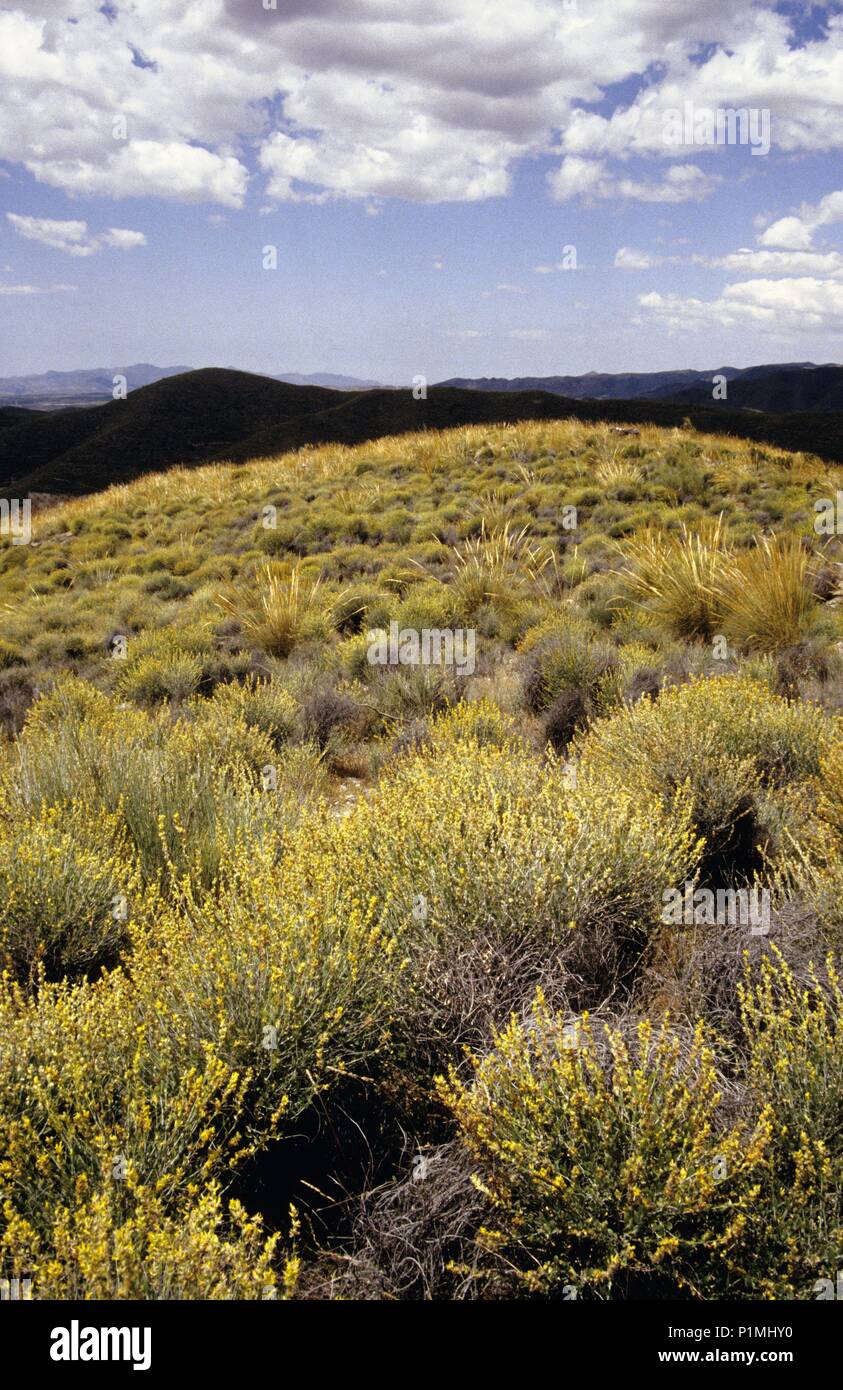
x=325, y=979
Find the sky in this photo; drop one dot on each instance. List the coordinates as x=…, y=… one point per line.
x=426, y=188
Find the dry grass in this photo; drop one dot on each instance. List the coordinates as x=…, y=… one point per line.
x=674, y=579
x=501, y=564
x=765, y=596
x=280, y=613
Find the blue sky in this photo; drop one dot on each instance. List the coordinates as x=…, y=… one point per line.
x=420, y=169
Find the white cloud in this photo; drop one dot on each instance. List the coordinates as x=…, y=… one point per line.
x=752, y=262
x=529, y=335
x=431, y=100
x=627, y=258
x=151, y=169
x=760, y=70
x=790, y=233
x=591, y=180
x=35, y=289
x=73, y=237
x=790, y=307
x=796, y=233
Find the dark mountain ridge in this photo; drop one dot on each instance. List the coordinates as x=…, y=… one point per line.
x=671, y=385
x=217, y=414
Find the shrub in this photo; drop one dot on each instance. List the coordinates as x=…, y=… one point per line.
x=65, y=877
x=10, y=655
x=103, y=1247
x=480, y=722
x=182, y=790
x=568, y=662
x=111, y=1044
x=500, y=854
x=794, y=1039
x=350, y=612
x=427, y=605
x=17, y=692
x=569, y=713
x=598, y=1152
x=324, y=712
x=263, y=705
x=719, y=743
x=151, y=679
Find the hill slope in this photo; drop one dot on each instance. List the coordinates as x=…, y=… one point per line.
x=346, y=874
x=220, y=414
x=672, y=385
x=784, y=390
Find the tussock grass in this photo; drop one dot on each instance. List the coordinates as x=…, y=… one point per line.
x=284, y=609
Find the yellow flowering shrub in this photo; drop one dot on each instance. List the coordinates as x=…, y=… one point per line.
x=794, y=1037
x=67, y=879
x=264, y=705
x=113, y=1245
x=91, y=1082
x=181, y=788
x=724, y=742
x=487, y=832
x=828, y=789
x=284, y=974
x=603, y=1155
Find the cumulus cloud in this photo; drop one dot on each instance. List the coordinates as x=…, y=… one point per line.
x=763, y=70
x=796, y=233
x=590, y=180
x=359, y=99
x=73, y=237
x=790, y=233
x=790, y=307
x=752, y=262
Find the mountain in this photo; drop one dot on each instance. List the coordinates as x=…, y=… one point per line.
x=781, y=389
x=594, y=386
x=216, y=414
x=329, y=379
x=95, y=385
x=685, y=385
x=86, y=385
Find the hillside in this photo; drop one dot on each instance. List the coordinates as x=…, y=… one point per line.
x=442, y=836
x=782, y=390
x=220, y=414
x=679, y=385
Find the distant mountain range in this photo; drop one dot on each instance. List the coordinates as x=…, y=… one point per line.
x=95, y=385
x=334, y=383
x=220, y=414
x=780, y=387
x=777, y=386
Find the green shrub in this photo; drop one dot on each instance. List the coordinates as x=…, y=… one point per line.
x=264, y=705
x=149, y=680
x=721, y=744
x=10, y=655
